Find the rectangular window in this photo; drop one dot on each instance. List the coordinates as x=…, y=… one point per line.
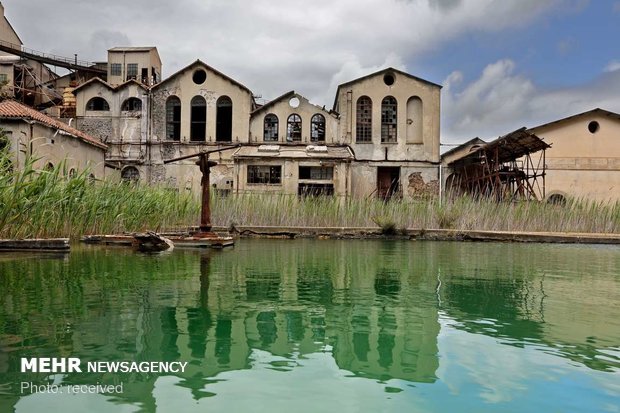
x=132, y=71
x=264, y=174
x=115, y=69
x=3, y=78
x=318, y=173
x=315, y=190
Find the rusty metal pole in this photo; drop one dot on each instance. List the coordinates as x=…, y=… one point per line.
x=205, y=214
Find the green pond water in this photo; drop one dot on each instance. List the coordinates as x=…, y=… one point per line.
x=318, y=326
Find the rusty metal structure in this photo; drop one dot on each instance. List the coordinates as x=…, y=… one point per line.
x=510, y=168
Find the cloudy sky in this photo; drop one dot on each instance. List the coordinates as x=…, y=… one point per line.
x=503, y=64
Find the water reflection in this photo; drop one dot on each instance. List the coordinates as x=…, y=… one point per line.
x=376, y=308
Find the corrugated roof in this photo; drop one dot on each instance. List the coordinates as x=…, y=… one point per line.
x=10, y=109
x=287, y=151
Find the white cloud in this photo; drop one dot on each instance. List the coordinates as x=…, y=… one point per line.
x=271, y=46
x=612, y=66
x=501, y=100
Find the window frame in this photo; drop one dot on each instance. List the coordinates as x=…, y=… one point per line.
x=271, y=129
x=173, y=127
x=294, y=128
x=256, y=174
x=363, y=124
x=317, y=128
x=125, y=106
x=91, y=105
x=389, y=120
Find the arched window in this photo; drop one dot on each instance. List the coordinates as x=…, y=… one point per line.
x=173, y=118
x=132, y=104
x=223, y=126
x=130, y=174
x=270, y=130
x=388, y=119
x=415, y=120
x=198, y=119
x=98, y=104
x=317, y=128
x=293, y=128
x=363, y=124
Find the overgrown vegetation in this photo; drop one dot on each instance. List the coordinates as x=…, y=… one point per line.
x=49, y=203
x=463, y=213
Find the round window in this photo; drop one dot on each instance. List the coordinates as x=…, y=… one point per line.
x=593, y=126
x=294, y=102
x=199, y=76
x=388, y=79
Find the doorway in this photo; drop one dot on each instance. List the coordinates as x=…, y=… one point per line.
x=388, y=182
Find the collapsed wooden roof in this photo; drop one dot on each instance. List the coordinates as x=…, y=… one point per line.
x=509, y=147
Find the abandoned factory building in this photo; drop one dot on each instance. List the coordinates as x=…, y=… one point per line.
x=381, y=138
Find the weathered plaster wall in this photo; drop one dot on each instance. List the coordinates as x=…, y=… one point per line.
x=409, y=146
x=581, y=163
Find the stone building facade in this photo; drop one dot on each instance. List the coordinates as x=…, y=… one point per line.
x=387, y=148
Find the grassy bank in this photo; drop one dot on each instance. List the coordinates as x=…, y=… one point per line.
x=50, y=204
x=462, y=213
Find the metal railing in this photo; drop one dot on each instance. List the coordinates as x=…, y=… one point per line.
x=49, y=58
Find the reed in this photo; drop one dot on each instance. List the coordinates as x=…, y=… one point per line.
x=459, y=213
x=49, y=203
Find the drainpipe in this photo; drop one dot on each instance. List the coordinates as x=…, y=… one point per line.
x=440, y=182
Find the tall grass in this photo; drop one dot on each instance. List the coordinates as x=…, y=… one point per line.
x=462, y=213
x=48, y=203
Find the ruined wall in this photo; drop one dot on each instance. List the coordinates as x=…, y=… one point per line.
x=417, y=181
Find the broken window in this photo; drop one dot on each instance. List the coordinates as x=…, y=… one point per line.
x=388, y=119
x=115, y=69
x=270, y=131
x=132, y=104
x=264, y=174
x=318, y=173
x=223, y=125
x=293, y=130
x=97, y=104
x=198, y=119
x=363, y=125
x=132, y=71
x=130, y=174
x=307, y=189
x=317, y=128
x=173, y=118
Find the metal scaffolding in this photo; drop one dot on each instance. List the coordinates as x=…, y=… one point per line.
x=509, y=168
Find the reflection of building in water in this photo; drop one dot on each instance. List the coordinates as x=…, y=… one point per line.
x=372, y=304
x=535, y=293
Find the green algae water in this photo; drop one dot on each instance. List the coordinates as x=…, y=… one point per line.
x=316, y=326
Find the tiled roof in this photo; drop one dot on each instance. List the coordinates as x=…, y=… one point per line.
x=10, y=109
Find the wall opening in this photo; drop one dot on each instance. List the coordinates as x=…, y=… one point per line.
x=173, y=118
x=198, y=120
x=223, y=125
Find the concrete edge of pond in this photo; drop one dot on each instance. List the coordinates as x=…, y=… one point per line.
x=423, y=234
x=35, y=244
